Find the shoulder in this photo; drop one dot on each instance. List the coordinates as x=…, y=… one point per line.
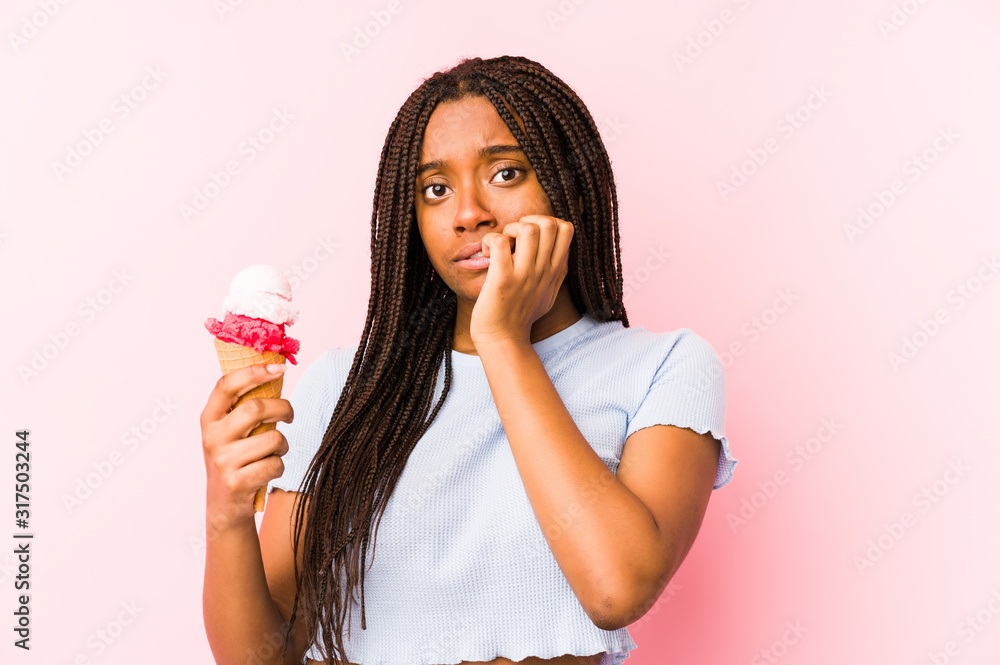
x=682, y=384
x=681, y=361
x=686, y=349
x=677, y=350
x=689, y=360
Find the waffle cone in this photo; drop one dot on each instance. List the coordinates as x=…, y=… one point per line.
x=236, y=356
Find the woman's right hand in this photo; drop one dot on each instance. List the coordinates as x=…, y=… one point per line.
x=235, y=464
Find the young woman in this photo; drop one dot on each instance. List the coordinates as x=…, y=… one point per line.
x=501, y=469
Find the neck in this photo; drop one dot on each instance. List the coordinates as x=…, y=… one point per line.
x=562, y=315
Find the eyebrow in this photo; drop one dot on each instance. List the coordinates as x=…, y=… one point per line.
x=487, y=151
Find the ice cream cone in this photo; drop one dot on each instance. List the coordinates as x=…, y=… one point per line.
x=255, y=314
x=236, y=356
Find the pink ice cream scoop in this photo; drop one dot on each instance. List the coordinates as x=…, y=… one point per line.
x=257, y=333
x=258, y=307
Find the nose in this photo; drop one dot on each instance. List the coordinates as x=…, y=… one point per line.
x=472, y=212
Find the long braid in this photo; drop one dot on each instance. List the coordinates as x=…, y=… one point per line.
x=386, y=404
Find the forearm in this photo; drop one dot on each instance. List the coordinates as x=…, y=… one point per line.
x=595, y=526
x=242, y=621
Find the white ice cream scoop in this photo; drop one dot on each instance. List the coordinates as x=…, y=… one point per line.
x=261, y=292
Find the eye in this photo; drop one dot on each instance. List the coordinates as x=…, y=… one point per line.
x=506, y=174
x=437, y=188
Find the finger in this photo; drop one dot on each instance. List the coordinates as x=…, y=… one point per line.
x=256, y=411
x=260, y=473
x=230, y=387
x=247, y=451
x=548, y=230
x=486, y=240
x=526, y=249
x=501, y=263
x=564, y=238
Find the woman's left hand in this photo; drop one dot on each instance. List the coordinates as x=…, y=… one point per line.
x=521, y=284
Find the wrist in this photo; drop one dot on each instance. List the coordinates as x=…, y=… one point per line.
x=506, y=347
x=489, y=343
x=229, y=519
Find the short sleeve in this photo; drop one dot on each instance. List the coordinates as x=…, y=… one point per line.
x=688, y=390
x=313, y=400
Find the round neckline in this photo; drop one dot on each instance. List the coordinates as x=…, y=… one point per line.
x=582, y=325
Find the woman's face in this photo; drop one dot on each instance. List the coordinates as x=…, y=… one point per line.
x=472, y=178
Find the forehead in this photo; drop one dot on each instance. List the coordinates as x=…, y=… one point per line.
x=470, y=121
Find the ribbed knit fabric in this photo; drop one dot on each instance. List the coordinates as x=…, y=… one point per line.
x=460, y=569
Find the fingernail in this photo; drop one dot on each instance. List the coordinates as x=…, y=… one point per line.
x=276, y=368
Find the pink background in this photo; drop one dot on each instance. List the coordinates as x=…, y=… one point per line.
x=674, y=131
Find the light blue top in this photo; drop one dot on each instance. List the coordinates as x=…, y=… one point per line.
x=462, y=570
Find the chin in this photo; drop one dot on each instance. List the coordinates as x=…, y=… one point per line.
x=470, y=289
x=471, y=294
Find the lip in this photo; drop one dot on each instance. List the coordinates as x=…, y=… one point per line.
x=468, y=250
x=478, y=263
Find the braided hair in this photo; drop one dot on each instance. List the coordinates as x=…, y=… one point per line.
x=383, y=409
